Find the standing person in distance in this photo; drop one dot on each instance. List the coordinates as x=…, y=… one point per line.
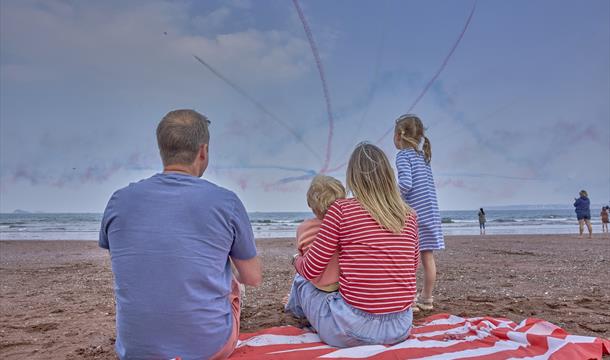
x=582, y=207
x=482, y=221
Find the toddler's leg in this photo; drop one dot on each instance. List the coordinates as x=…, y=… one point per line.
x=427, y=259
x=293, y=305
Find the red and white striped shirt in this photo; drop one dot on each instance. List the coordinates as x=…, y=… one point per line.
x=377, y=266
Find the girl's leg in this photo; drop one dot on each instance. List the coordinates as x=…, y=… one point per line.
x=588, y=222
x=427, y=259
x=581, y=225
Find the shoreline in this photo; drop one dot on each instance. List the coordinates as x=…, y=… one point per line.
x=596, y=236
x=58, y=300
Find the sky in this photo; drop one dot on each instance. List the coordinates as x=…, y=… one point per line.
x=518, y=111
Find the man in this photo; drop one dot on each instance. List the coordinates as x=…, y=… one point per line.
x=172, y=238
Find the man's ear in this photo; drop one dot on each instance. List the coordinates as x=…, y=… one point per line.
x=203, y=151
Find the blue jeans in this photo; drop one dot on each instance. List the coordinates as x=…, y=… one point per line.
x=341, y=325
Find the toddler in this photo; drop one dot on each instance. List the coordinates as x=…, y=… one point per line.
x=323, y=191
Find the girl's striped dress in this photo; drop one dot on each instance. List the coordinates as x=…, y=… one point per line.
x=418, y=190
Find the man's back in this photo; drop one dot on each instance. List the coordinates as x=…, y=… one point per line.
x=170, y=237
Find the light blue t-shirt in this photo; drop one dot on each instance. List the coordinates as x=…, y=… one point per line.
x=170, y=238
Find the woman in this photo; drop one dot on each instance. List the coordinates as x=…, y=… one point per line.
x=482, y=221
x=583, y=213
x=375, y=233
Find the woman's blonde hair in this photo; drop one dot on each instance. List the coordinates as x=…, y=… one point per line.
x=583, y=193
x=323, y=191
x=410, y=131
x=370, y=178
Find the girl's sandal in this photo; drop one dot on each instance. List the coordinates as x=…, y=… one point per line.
x=425, y=304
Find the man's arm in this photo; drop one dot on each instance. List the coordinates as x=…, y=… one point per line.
x=249, y=272
x=107, y=218
x=243, y=249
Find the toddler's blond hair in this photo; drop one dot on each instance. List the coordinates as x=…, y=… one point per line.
x=323, y=191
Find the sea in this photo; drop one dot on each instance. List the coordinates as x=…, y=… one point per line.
x=85, y=226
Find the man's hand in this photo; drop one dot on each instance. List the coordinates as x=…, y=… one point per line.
x=249, y=272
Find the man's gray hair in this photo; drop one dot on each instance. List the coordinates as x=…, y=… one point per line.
x=179, y=135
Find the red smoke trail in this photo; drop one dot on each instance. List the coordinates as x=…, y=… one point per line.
x=429, y=84
x=258, y=105
x=316, y=55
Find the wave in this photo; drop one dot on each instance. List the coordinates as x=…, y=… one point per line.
x=269, y=221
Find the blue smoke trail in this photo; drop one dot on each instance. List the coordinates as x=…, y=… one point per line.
x=432, y=80
x=264, y=167
x=487, y=175
x=258, y=105
x=439, y=71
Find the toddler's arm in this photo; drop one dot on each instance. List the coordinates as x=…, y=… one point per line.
x=313, y=263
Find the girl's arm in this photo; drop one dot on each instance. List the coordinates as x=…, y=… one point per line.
x=313, y=263
x=403, y=165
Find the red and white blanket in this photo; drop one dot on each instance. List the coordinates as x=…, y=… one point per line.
x=441, y=336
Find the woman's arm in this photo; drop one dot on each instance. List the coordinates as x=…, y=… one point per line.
x=324, y=246
x=403, y=166
x=413, y=220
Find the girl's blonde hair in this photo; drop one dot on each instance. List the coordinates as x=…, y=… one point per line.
x=323, y=191
x=410, y=131
x=370, y=178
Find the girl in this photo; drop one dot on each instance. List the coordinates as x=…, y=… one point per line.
x=417, y=189
x=375, y=233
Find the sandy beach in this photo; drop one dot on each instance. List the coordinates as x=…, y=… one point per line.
x=57, y=299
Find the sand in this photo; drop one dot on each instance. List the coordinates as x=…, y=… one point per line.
x=57, y=299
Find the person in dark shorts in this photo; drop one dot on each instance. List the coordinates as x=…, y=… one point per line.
x=582, y=207
x=482, y=221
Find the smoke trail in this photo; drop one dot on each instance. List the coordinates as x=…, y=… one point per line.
x=259, y=106
x=486, y=175
x=316, y=55
x=371, y=94
x=264, y=167
x=307, y=173
x=432, y=80
x=438, y=72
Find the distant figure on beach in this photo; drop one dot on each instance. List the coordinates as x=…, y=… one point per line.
x=418, y=191
x=172, y=240
x=582, y=207
x=482, y=221
x=323, y=191
x=375, y=233
x=604, y=218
